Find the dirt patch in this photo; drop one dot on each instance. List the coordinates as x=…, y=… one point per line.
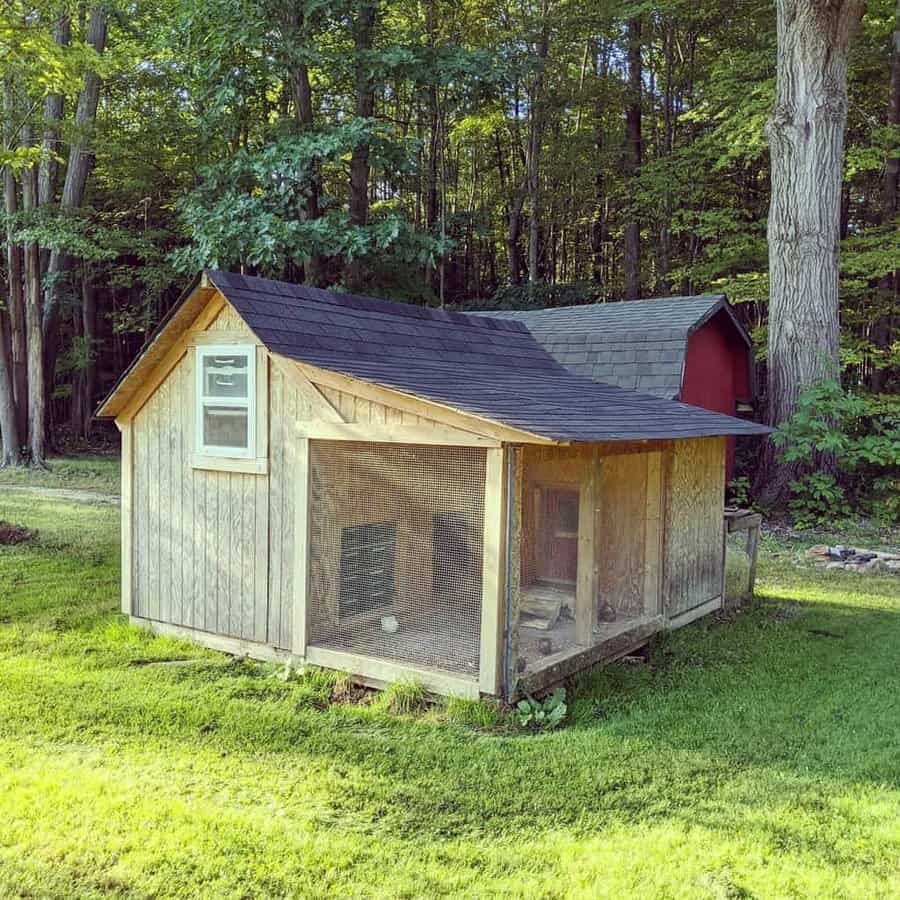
x=15, y=534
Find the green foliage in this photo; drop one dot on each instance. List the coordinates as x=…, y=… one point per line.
x=862, y=434
x=738, y=491
x=817, y=499
x=542, y=715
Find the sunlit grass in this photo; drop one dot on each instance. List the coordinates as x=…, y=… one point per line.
x=83, y=473
x=754, y=757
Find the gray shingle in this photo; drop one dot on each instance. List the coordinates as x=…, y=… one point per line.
x=456, y=359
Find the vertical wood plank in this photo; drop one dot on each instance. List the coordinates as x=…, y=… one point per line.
x=492, y=570
x=127, y=518
x=515, y=572
x=261, y=562
x=301, y=547
x=653, y=535
x=585, y=581
x=276, y=485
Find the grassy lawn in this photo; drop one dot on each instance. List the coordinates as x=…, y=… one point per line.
x=82, y=473
x=755, y=758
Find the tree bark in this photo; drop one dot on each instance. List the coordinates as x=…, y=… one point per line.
x=363, y=40
x=535, y=144
x=301, y=94
x=883, y=327
x=34, y=334
x=15, y=274
x=598, y=222
x=632, y=167
x=80, y=162
x=806, y=140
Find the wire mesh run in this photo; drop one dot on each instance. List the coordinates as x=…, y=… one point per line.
x=584, y=521
x=396, y=552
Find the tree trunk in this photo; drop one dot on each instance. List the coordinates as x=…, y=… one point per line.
x=85, y=377
x=80, y=162
x=535, y=143
x=806, y=140
x=598, y=222
x=301, y=94
x=15, y=275
x=632, y=167
x=37, y=400
x=883, y=327
x=363, y=40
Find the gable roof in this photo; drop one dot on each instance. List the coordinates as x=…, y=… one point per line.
x=490, y=367
x=639, y=345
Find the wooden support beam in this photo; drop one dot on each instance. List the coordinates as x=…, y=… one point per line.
x=429, y=409
x=586, y=577
x=384, y=672
x=127, y=515
x=301, y=548
x=600, y=653
x=511, y=623
x=392, y=434
x=493, y=571
x=322, y=409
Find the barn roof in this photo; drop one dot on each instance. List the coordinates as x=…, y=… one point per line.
x=639, y=345
x=490, y=367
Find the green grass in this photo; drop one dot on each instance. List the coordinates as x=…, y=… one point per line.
x=755, y=758
x=82, y=473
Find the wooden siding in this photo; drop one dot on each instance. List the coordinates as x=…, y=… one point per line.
x=693, y=524
x=214, y=551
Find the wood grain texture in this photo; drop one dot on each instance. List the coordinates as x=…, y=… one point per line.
x=694, y=525
x=493, y=570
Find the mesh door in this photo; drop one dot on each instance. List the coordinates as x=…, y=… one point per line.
x=396, y=551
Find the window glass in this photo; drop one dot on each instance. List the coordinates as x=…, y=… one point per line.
x=225, y=376
x=225, y=426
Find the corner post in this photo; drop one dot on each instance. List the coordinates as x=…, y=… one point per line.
x=126, y=510
x=492, y=571
x=301, y=549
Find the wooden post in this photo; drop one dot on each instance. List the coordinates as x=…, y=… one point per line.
x=301, y=548
x=127, y=514
x=752, y=551
x=515, y=576
x=493, y=570
x=586, y=577
x=653, y=536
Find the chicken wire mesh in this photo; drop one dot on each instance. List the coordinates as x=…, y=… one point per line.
x=396, y=552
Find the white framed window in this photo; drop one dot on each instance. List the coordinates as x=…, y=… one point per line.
x=225, y=410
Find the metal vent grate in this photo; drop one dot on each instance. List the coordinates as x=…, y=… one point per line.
x=396, y=552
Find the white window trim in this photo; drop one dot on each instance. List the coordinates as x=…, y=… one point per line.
x=248, y=402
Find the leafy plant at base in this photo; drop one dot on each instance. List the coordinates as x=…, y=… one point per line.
x=543, y=715
x=818, y=500
x=862, y=433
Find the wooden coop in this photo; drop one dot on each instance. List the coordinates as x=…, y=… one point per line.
x=405, y=493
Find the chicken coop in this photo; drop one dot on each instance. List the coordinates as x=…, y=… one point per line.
x=404, y=493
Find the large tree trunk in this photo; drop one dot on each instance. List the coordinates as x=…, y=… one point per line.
x=632, y=167
x=301, y=94
x=363, y=40
x=806, y=139
x=15, y=275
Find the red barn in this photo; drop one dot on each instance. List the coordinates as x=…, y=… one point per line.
x=692, y=349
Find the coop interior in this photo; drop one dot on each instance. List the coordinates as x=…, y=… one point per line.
x=395, y=537
x=588, y=551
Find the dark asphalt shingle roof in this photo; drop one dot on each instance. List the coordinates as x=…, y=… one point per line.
x=492, y=367
x=638, y=345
